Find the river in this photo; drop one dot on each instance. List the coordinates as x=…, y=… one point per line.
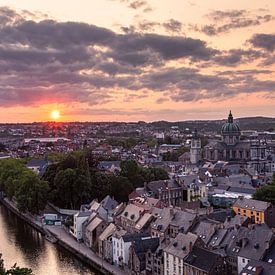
x=21, y=244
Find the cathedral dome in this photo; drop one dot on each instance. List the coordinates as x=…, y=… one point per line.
x=230, y=127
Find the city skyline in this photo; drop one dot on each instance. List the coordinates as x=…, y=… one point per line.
x=127, y=60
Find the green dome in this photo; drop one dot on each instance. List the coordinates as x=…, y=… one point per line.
x=230, y=127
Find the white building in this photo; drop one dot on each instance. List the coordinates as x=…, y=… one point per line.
x=120, y=248
x=121, y=242
x=79, y=219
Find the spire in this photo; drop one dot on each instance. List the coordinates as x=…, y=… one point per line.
x=230, y=117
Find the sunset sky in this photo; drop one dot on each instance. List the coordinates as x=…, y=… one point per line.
x=130, y=60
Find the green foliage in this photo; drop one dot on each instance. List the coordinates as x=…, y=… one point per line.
x=76, y=180
x=14, y=270
x=16, y=180
x=116, y=186
x=138, y=175
x=32, y=193
x=126, y=143
x=266, y=193
x=70, y=188
x=55, y=156
x=11, y=171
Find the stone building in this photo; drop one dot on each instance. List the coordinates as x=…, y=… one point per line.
x=231, y=147
x=195, y=149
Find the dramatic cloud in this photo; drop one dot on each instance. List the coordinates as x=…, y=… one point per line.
x=137, y=4
x=264, y=41
x=173, y=26
x=46, y=61
x=225, y=21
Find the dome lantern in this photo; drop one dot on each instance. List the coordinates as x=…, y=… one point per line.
x=230, y=130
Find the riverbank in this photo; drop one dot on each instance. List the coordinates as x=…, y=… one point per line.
x=65, y=240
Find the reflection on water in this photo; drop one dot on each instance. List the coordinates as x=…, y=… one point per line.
x=21, y=244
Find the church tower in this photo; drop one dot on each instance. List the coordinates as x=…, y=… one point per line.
x=195, y=149
x=231, y=131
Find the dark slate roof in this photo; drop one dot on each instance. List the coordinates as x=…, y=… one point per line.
x=242, y=190
x=251, y=204
x=143, y=245
x=219, y=215
x=217, y=238
x=202, y=259
x=37, y=162
x=42, y=164
x=108, y=203
x=136, y=237
x=249, y=243
x=205, y=229
x=156, y=186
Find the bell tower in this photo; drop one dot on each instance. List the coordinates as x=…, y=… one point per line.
x=195, y=149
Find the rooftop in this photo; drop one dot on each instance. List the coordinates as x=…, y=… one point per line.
x=251, y=204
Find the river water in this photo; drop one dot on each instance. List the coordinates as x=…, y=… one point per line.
x=21, y=244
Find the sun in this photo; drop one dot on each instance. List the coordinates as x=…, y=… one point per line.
x=55, y=114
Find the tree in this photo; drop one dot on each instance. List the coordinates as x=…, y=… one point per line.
x=14, y=270
x=267, y=192
x=32, y=193
x=129, y=169
x=120, y=188
x=11, y=171
x=138, y=175
x=2, y=269
x=70, y=188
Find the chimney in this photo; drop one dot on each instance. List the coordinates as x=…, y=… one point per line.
x=190, y=246
x=259, y=270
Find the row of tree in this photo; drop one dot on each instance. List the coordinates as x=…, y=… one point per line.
x=73, y=181
x=16, y=180
x=77, y=180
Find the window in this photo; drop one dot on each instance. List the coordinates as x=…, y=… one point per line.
x=243, y=260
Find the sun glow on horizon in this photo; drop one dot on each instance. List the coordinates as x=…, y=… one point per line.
x=55, y=114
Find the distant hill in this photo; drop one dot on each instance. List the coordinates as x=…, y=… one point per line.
x=245, y=123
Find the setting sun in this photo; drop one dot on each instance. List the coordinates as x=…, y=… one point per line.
x=55, y=114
